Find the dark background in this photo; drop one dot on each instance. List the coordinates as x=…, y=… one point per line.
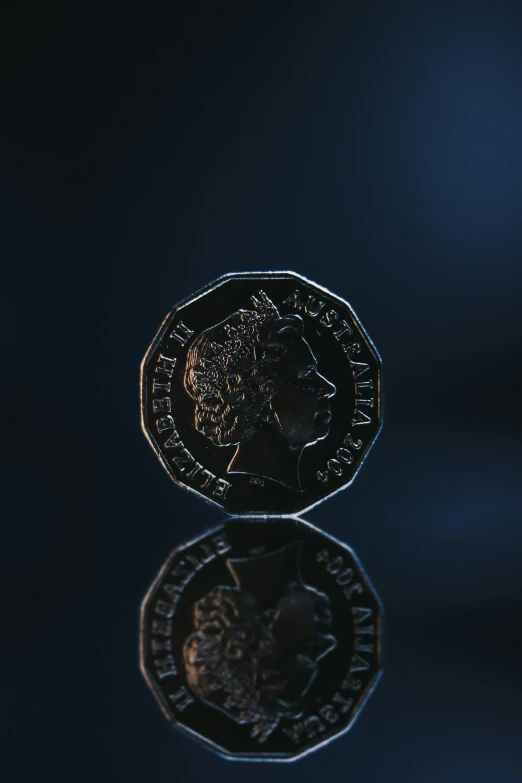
x=374, y=147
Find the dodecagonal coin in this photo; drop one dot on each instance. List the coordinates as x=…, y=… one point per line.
x=262, y=393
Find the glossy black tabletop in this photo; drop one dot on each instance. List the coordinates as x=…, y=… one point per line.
x=372, y=147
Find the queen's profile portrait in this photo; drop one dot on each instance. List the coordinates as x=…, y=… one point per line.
x=255, y=384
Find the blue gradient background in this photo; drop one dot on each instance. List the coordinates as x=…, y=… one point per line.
x=373, y=147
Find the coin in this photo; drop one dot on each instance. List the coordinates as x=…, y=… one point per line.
x=262, y=639
x=262, y=393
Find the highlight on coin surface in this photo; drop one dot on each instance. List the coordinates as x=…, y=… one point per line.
x=262, y=640
x=262, y=393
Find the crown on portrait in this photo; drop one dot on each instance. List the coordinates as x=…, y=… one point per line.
x=222, y=357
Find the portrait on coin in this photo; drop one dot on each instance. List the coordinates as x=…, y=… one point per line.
x=255, y=383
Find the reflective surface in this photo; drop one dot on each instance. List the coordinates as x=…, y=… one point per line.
x=372, y=147
x=262, y=393
x=262, y=639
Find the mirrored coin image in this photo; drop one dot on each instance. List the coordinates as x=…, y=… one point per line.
x=262, y=640
x=262, y=394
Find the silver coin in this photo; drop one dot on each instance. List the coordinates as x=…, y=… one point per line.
x=262, y=394
x=262, y=640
